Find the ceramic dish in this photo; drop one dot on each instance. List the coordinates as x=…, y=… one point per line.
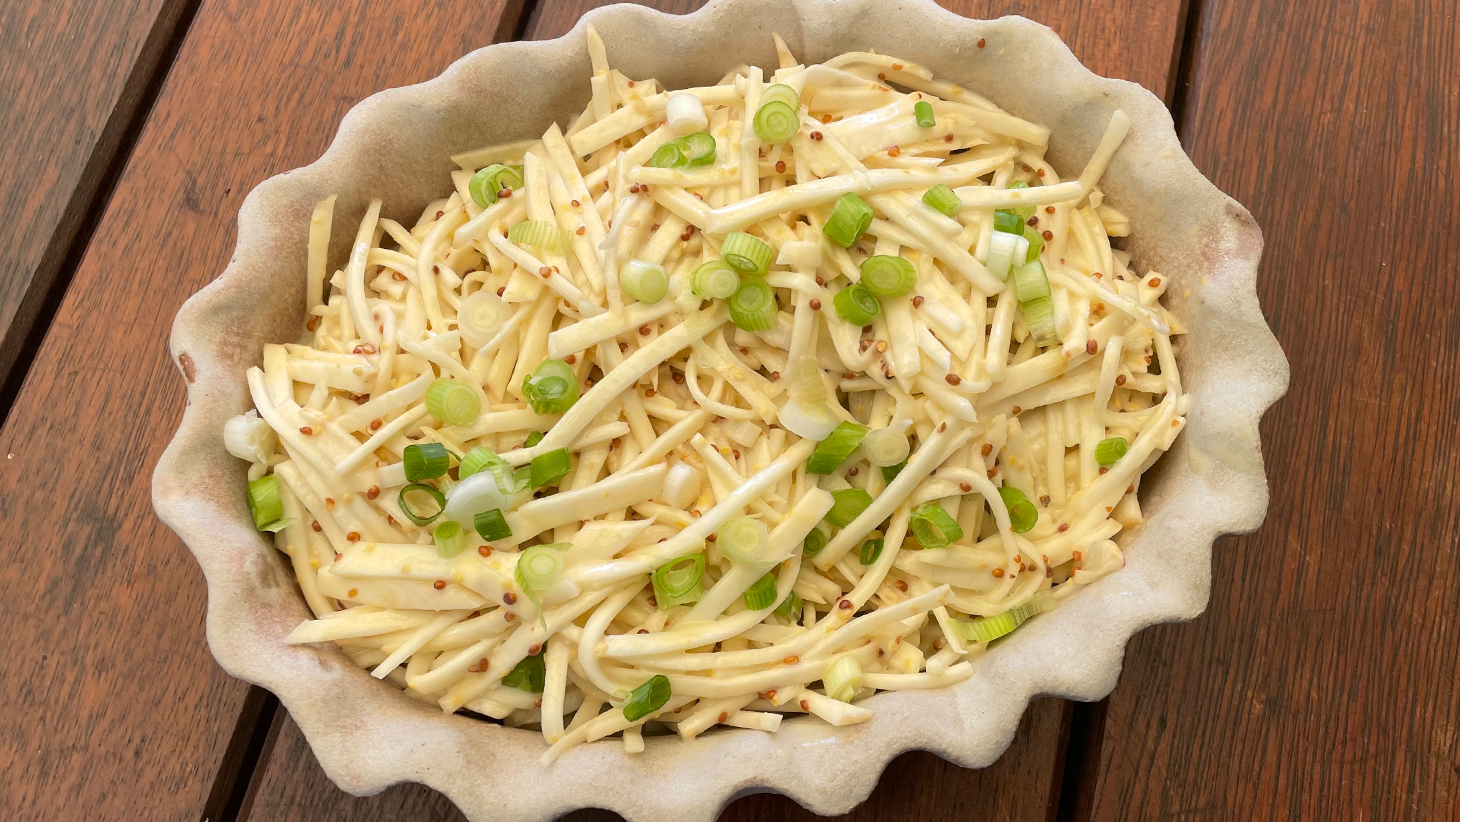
x=395, y=145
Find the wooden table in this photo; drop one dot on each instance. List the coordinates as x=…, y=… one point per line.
x=1323, y=682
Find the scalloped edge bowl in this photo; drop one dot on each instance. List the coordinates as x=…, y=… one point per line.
x=396, y=145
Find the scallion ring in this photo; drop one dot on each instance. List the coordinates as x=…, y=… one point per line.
x=780, y=93
x=871, y=551
x=1030, y=281
x=1039, y=317
x=790, y=609
x=647, y=698
x=923, y=113
x=492, y=525
x=776, y=122
x=762, y=594
x=746, y=254
x=481, y=316
x=890, y=472
x=933, y=527
x=743, y=540
x=843, y=678
x=1022, y=513
x=814, y=542
x=847, y=505
x=1109, y=451
x=530, y=674
x=421, y=503
x=488, y=183
x=698, y=148
x=834, y=450
x=644, y=281
x=714, y=280
x=888, y=276
x=264, y=501
x=677, y=582
x=753, y=306
x=850, y=218
x=450, y=538
x=668, y=155
x=551, y=388
x=548, y=468
x=941, y=199
x=541, y=234
x=856, y=304
x=427, y=460
x=1008, y=222
x=452, y=403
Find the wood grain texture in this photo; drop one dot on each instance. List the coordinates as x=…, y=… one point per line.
x=1023, y=785
x=916, y=786
x=73, y=77
x=112, y=706
x=1324, y=681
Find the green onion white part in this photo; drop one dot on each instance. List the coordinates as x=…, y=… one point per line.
x=662, y=427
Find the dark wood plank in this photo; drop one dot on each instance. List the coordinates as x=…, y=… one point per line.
x=1132, y=39
x=1324, y=682
x=113, y=707
x=294, y=792
x=74, y=79
x=1024, y=784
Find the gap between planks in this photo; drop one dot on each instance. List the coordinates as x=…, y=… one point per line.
x=88, y=201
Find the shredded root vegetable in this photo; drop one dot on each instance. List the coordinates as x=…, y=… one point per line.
x=601, y=577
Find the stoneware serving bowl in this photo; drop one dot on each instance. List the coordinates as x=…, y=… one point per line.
x=396, y=145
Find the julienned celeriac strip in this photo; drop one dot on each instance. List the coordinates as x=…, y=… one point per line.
x=718, y=405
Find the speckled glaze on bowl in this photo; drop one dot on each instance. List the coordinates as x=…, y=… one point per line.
x=396, y=145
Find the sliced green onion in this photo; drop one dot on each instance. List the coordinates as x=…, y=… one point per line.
x=547, y=469
x=847, y=505
x=1024, y=212
x=487, y=183
x=941, y=199
x=890, y=472
x=933, y=527
x=428, y=460
x=530, y=675
x=481, y=459
x=762, y=594
x=714, y=280
x=888, y=276
x=743, y=540
x=835, y=449
x=988, y=629
x=871, y=550
x=452, y=403
x=1005, y=250
x=780, y=93
x=677, y=581
x=753, y=306
x=480, y=316
x=886, y=446
x=541, y=234
x=843, y=678
x=1109, y=451
x=1008, y=222
x=421, y=503
x=1036, y=242
x=814, y=542
x=1022, y=513
x=745, y=253
x=923, y=111
x=849, y=219
x=1030, y=281
x=776, y=122
x=644, y=281
x=698, y=148
x=668, y=155
x=1039, y=317
x=491, y=525
x=856, y=304
x=551, y=388
x=264, y=501
x=789, y=611
x=450, y=539
x=647, y=698
x=540, y=566
x=533, y=438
